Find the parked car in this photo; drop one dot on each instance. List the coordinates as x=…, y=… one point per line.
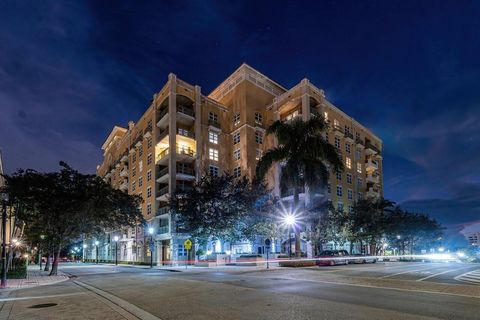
x=337, y=256
x=361, y=258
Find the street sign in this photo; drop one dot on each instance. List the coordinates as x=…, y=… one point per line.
x=267, y=242
x=187, y=244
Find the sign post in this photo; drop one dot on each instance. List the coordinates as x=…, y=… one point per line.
x=267, y=244
x=188, y=245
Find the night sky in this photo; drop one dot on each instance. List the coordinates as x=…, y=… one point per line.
x=409, y=70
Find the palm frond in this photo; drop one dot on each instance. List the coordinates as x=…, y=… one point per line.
x=269, y=158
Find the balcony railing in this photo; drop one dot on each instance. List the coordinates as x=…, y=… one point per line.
x=214, y=124
x=162, y=113
x=372, y=147
x=186, y=133
x=372, y=164
x=187, y=171
x=162, y=134
x=349, y=135
x=187, y=151
x=163, y=210
x=163, y=191
x=359, y=141
x=186, y=110
x=163, y=229
x=163, y=172
x=163, y=154
x=184, y=188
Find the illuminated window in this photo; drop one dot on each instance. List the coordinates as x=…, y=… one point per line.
x=347, y=147
x=349, y=178
x=149, y=192
x=236, y=137
x=149, y=208
x=236, y=154
x=258, y=118
x=213, y=137
x=149, y=175
x=359, y=167
x=336, y=124
x=337, y=142
x=213, y=170
x=292, y=115
x=258, y=137
x=348, y=162
x=339, y=191
x=236, y=119
x=237, y=172
x=258, y=154
x=149, y=158
x=213, y=154
x=325, y=115
x=350, y=194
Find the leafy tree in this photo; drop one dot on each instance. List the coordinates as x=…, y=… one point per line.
x=65, y=205
x=223, y=207
x=305, y=156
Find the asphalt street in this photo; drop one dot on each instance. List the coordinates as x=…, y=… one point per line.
x=372, y=291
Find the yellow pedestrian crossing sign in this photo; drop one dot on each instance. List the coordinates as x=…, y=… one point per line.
x=187, y=244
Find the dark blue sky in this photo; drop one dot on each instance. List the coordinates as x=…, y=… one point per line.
x=409, y=70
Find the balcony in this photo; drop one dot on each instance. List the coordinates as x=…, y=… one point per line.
x=124, y=185
x=162, y=194
x=163, y=210
x=163, y=176
x=185, y=173
x=162, y=157
x=360, y=143
x=186, y=133
x=371, y=165
x=147, y=133
x=124, y=158
x=183, y=188
x=214, y=125
x=124, y=172
x=373, y=178
x=162, y=118
x=163, y=230
x=185, y=153
x=338, y=130
x=314, y=111
x=370, y=149
x=349, y=136
x=373, y=193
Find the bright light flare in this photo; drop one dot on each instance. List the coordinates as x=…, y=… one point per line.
x=150, y=230
x=290, y=219
x=115, y=238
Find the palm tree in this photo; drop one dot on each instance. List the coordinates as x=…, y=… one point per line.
x=305, y=156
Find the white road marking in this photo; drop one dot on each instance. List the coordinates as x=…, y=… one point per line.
x=436, y=274
x=469, y=277
x=404, y=272
x=42, y=297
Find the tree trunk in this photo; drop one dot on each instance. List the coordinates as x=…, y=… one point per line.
x=10, y=257
x=48, y=262
x=296, y=201
x=55, y=262
x=351, y=247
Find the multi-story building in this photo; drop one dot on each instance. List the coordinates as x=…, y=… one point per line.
x=184, y=134
x=473, y=238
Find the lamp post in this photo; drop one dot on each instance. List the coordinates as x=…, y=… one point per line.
x=150, y=231
x=290, y=222
x=96, y=250
x=3, y=283
x=83, y=252
x=42, y=237
x=116, y=249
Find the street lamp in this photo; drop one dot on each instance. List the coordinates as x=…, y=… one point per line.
x=150, y=231
x=42, y=237
x=289, y=220
x=116, y=249
x=96, y=250
x=83, y=252
x=3, y=283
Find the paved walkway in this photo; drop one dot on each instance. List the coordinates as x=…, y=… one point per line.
x=35, y=277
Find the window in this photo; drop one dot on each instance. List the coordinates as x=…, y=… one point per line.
x=347, y=147
x=258, y=154
x=140, y=151
x=258, y=118
x=259, y=137
x=325, y=115
x=134, y=171
x=350, y=194
x=326, y=136
x=149, y=208
x=134, y=186
x=348, y=162
x=237, y=172
x=149, y=175
x=140, y=182
x=359, y=167
x=236, y=137
x=349, y=178
x=236, y=119
x=213, y=117
x=347, y=129
x=357, y=136
x=213, y=137
x=149, y=192
x=181, y=250
x=213, y=154
x=339, y=176
x=213, y=170
x=360, y=196
x=359, y=182
x=149, y=143
x=340, y=205
x=134, y=157
x=357, y=155
x=292, y=115
x=329, y=188
x=339, y=191
x=350, y=209
x=149, y=158
x=337, y=142
x=236, y=154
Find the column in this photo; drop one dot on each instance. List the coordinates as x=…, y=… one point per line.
x=198, y=131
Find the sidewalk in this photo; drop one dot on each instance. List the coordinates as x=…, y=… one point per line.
x=35, y=277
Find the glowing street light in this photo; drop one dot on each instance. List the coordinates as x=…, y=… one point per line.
x=116, y=249
x=290, y=220
x=441, y=249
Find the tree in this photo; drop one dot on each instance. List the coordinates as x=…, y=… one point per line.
x=222, y=207
x=305, y=156
x=65, y=205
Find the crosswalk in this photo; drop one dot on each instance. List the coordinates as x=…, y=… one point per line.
x=470, y=277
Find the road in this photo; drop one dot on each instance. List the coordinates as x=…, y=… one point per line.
x=371, y=291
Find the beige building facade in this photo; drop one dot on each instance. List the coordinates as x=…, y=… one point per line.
x=185, y=133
